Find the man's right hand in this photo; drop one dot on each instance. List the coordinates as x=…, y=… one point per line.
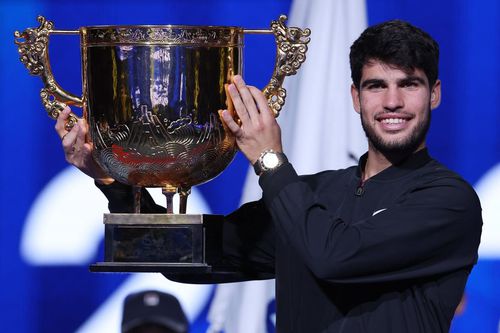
x=77, y=150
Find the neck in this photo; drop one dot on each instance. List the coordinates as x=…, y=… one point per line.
x=378, y=161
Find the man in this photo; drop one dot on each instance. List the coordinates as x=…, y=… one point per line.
x=386, y=246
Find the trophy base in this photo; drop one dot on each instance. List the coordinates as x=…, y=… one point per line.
x=149, y=267
x=164, y=243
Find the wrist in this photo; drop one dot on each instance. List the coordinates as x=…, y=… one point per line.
x=269, y=161
x=100, y=176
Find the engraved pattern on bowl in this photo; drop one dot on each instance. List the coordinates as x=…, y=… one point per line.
x=153, y=109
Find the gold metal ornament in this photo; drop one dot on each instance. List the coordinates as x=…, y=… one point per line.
x=33, y=53
x=290, y=54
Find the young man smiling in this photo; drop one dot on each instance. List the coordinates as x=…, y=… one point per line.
x=385, y=246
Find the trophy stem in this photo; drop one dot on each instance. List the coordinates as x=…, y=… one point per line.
x=137, y=199
x=169, y=192
x=183, y=196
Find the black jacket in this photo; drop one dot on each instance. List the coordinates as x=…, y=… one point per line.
x=390, y=255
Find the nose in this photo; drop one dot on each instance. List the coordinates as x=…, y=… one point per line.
x=393, y=99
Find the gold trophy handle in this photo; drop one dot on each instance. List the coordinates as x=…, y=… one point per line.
x=291, y=48
x=33, y=50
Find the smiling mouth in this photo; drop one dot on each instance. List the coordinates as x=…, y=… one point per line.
x=393, y=118
x=393, y=121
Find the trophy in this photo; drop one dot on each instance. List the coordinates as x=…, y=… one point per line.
x=151, y=96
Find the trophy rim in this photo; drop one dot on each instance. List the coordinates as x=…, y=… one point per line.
x=162, y=26
x=187, y=35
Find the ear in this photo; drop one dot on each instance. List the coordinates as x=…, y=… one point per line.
x=355, y=98
x=436, y=95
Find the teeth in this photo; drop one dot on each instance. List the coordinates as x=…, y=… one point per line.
x=393, y=121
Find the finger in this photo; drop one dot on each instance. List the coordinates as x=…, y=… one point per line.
x=80, y=135
x=246, y=97
x=229, y=101
x=61, y=121
x=262, y=103
x=231, y=124
x=238, y=104
x=82, y=132
x=69, y=140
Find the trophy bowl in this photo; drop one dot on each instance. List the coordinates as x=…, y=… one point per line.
x=151, y=95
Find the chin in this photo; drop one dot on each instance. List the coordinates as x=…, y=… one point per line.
x=398, y=144
x=399, y=148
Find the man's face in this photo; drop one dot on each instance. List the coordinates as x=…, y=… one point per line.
x=395, y=107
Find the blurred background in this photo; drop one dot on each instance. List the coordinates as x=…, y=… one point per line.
x=51, y=216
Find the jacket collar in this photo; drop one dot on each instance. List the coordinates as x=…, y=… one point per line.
x=412, y=162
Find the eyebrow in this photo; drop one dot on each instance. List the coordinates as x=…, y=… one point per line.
x=409, y=78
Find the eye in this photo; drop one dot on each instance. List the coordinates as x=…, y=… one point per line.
x=410, y=84
x=375, y=86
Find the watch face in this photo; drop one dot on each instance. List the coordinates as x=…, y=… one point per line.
x=270, y=160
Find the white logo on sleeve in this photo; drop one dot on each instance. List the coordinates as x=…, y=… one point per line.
x=378, y=211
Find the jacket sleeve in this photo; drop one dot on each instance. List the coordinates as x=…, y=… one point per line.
x=121, y=199
x=249, y=240
x=432, y=230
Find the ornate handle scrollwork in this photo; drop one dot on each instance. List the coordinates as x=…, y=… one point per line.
x=32, y=45
x=291, y=48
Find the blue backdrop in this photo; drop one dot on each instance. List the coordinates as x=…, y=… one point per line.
x=464, y=133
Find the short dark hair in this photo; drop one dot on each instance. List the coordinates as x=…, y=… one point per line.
x=395, y=43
